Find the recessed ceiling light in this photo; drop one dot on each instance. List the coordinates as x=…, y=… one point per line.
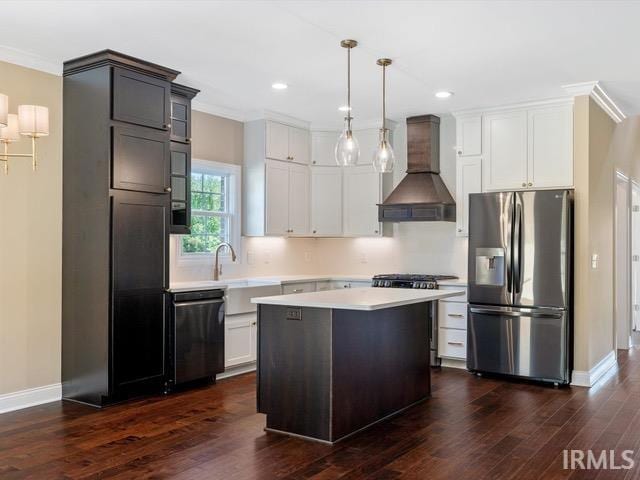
x=279, y=86
x=344, y=108
x=443, y=94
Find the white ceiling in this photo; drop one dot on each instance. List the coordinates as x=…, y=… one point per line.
x=487, y=52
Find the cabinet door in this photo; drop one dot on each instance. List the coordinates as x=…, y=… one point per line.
x=277, y=198
x=239, y=339
x=362, y=192
x=141, y=99
x=368, y=141
x=323, y=146
x=139, y=277
x=299, y=145
x=277, y=141
x=326, y=200
x=505, y=145
x=469, y=136
x=180, y=119
x=550, y=147
x=180, y=188
x=140, y=160
x=468, y=180
x=299, y=200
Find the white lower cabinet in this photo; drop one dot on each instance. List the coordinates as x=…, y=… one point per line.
x=452, y=343
x=240, y=339
x=452, y=325
x=302, y=287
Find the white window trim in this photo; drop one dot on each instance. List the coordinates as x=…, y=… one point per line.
x=235, y=225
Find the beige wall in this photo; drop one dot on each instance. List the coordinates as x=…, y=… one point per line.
x=594, y=231
x=30, y=242
x=216, y=138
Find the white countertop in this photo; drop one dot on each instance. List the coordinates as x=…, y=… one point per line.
x=364, y=298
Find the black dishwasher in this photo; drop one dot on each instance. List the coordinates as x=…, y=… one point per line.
x=196, y=336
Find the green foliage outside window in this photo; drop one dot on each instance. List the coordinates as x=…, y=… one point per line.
x=209, y=214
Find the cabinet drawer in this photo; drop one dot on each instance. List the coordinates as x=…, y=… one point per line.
x=299, y=288
x=452, y=315
x=459, y=298
x=452, y=343
x=140, y=160
x=141, y=99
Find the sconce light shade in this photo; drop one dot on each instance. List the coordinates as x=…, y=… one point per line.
x=4, y=110
x=10, y=133
x=33, y=120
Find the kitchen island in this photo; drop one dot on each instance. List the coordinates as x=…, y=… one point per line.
x=331, y=363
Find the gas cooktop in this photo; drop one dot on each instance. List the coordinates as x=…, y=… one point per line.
x=409, y=280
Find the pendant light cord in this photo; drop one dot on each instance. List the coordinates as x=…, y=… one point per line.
x=349, y=89
x=384, y=98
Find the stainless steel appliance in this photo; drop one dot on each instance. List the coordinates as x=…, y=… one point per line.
x=430, y=282
x=197, y=336
x=520, y=284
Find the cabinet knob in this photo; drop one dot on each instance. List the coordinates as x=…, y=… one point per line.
x=254, y=323
x=524, y=184
x=375, y=231
x=188, y=140
x=167, y=126
x=314, y=231
x=459, y=152
x=530, y=184
x=167, y=189
x=314, y=162
x=459, y=230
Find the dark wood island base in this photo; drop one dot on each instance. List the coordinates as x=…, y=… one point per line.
x=325, y=374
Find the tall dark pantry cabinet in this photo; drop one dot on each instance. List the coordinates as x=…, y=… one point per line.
x=117, y=217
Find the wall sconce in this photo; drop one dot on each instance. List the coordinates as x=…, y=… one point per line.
x=31, y=121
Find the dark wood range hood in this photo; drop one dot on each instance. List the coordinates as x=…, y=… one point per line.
x=421, y=196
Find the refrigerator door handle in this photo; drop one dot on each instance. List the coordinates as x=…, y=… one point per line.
x=509, y=244
x=517, y=248
x=515, y=313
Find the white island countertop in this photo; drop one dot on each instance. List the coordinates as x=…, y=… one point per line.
x=364, y=298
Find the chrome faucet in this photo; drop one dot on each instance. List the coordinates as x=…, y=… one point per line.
x=217, y=268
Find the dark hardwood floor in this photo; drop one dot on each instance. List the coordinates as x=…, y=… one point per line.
x=472, y=428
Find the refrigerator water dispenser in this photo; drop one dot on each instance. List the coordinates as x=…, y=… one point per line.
x=490, y=266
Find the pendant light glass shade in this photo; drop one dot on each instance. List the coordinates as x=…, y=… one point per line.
x=347, y=149
x=383, y=158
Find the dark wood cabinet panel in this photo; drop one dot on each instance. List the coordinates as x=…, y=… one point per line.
x=140, y=160
x=180, y=188
x=138, y=338
x=140, y=244
x=141, y=99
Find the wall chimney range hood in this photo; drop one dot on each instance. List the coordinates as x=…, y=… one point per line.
x=421, y=196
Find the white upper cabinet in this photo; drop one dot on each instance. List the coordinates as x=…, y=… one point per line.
x=362, y=193
x=525, y=147
x=550, y=147
x=277, y=141
x=368, y=142
x=505, y=150
x=326, y=201
x=468, y=180
x=287, y=143
x=299, y=145
x=469, y=135
x=277, y=198
x=323, y=146
x=299, y=200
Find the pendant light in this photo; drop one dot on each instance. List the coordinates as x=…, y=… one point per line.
x=384, y=158
x=347, y=149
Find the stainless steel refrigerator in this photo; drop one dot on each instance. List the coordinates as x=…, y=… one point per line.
x=520, y=284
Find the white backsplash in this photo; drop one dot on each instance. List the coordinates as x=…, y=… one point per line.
x=415, y=247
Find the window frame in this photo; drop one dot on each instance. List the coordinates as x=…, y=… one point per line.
x=234, y=173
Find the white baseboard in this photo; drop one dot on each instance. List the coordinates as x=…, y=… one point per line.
x=239, y=370
x=30, y=397
x=580, y=378
x=451, y=363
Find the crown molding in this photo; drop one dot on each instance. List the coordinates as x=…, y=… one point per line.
x=218, y=110
x=515, y=106
x=29, y=60
x=357, y=125
x=277, y=117
x=595, y=90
